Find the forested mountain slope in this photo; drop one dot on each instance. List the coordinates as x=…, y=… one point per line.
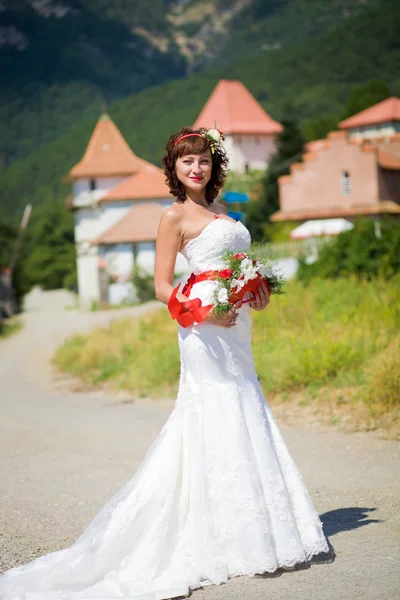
x=316, y=78
x=62, y=61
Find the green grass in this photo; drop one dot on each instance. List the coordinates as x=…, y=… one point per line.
x=137, y=354
x=9, y=327
x=341, y=334
x=318, y=334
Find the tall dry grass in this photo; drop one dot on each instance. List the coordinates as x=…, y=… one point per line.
x=137, y=354
x=326, y=333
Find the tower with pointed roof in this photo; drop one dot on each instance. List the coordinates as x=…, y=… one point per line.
x=250, y=133
x=117, y=201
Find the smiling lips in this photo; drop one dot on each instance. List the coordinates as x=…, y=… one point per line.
x=196, y=178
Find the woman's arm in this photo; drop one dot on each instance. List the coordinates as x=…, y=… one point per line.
x=167, y=247
x=169, y=238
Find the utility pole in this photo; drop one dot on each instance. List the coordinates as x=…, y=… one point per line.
x=22, y=227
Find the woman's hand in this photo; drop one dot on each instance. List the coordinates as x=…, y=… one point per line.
x=261, y=299
x=226, y=320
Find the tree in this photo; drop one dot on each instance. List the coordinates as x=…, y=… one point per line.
x=319, y=127
x=289, y=149
x=8, y=235
x=50, y=261
x=364, y=96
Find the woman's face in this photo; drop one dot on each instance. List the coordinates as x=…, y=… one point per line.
x=194, y=170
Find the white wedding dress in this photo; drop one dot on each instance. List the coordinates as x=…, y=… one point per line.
x=217, y=495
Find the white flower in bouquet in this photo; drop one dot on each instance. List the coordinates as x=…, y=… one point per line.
x=247, y=269
x=223, y=296
x=237, y=283
x=252, y=273
x=264, y=271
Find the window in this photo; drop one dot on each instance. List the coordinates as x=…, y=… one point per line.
x=92, y=184
x=345, y=183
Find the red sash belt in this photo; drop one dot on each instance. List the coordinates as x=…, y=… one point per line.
x=186, y=313
x=187, y=288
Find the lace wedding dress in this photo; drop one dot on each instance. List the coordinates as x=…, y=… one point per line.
x=217, y=495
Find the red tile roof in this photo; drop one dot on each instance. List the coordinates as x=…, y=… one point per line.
x=148, y=183
x=107, y=154
x=235, y=111
x=387, y=110
x=140, y=224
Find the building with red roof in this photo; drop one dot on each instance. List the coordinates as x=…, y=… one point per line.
x=117, y=200
x=380, y=120
x=107, y=154
x=352, y=172
x=250, y=133
x=140, y=224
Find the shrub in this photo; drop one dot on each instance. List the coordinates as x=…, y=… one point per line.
x=358, y=252
x=382, y=391
x=144, y=285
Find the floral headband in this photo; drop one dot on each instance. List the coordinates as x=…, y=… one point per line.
x=214, y=136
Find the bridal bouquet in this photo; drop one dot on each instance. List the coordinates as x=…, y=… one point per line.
x=244, y=273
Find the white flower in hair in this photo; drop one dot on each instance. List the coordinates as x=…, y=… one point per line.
x=223, y=296
x=215, y=135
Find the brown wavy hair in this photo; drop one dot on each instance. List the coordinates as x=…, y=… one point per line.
x=193, y=145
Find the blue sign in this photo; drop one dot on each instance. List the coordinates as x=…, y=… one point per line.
x=232, y=197
x=235, y=214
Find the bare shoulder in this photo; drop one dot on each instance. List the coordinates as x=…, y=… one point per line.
x=171, y=218
x=220, y=208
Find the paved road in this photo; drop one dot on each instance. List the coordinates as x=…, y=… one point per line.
x=64, y=454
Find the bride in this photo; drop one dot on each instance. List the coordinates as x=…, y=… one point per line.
x=218, y=494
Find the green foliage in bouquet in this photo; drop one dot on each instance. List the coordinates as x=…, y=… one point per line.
x=244, y=268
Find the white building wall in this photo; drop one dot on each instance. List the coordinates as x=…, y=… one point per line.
x=249, y=151
x=91, y=220
x=119, y=259
x=146, y=254
x=88, y=276
x=102, y=184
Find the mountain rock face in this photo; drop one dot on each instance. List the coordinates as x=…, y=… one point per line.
x=62, y=61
